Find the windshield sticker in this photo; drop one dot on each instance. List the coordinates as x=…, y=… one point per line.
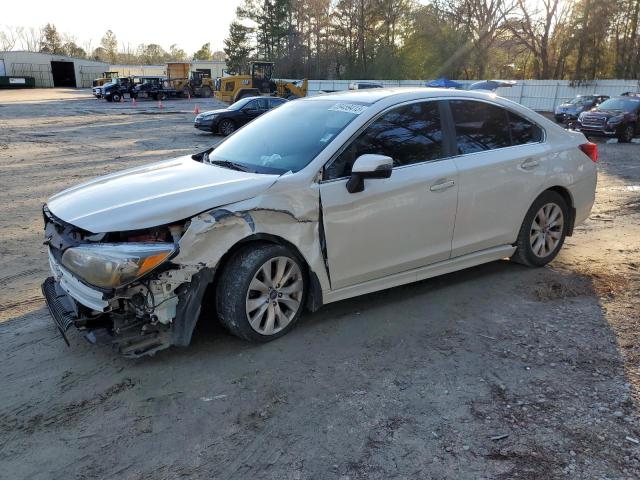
x=348, y=108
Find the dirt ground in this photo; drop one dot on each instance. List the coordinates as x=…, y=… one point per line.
x=497, y=372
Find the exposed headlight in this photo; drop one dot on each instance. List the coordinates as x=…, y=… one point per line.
x=112, y=265
x=581, y=116
x=208, y=116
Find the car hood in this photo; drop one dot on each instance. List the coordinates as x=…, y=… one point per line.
x=605, y=113
x=153, y=195
x=211, y=112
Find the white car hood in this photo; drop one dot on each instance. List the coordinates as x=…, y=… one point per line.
x=154, y=194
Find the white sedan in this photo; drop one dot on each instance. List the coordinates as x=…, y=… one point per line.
x=322, y=199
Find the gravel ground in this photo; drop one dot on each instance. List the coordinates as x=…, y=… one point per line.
x=497, y=372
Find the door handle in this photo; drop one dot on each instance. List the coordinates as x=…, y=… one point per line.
x=529, y=164
x=436, y=187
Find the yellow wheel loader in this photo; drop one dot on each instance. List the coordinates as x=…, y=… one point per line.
x=232, y=88
x=187, y=83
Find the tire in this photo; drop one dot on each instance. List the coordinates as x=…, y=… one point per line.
x=227, y=127
x=162, y=96
x=155, y=96
x=254, y=306
x=116, y=97
x=185, y=93
x=627, y=134
x=205, y=92
x=529, y=250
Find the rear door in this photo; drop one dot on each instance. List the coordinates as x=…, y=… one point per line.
x=502, y=164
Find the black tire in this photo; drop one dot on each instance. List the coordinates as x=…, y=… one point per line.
x=227, y=127
x=155, y=96
x=116, y=97
x=185, y=93
x=627, y=134
x=205, y=92
x=162, y=96
x=232, y=289
x=524, y=253
x=109, y=98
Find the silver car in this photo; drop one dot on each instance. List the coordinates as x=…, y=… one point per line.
x=319, y=200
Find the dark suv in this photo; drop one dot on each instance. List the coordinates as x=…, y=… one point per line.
x=616, y=117
x=570, y=110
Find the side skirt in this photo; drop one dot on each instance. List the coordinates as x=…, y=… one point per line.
x=434, y=270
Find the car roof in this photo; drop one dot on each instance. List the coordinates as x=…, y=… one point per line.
x=377, y=94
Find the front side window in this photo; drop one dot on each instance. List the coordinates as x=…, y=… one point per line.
x=408, y=134
x=229, y=86
x=479, y=126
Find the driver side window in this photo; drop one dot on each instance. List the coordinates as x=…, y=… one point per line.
x=409, y=134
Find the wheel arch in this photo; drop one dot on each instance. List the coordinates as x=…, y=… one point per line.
x=565, y=193
x=314, y=295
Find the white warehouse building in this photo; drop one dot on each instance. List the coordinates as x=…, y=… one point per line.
x=51, y=70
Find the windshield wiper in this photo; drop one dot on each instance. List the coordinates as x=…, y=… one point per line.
x=229, y=164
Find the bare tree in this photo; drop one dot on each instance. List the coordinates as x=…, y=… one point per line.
x=30, y=38
x=8, y=38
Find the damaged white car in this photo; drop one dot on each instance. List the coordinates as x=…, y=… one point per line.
x=322, y=199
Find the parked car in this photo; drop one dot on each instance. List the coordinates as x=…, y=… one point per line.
x=567, y=111
x=364, y=85
x=615, y=117
x=319, y=200
x=492, y=85
x=225, y=121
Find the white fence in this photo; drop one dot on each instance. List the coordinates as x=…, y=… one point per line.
x=540, y=95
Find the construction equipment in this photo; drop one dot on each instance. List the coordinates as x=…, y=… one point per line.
x=188, y=83
x=235, y=87
x=105, y=78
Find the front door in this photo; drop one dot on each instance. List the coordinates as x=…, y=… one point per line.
x=395, y=224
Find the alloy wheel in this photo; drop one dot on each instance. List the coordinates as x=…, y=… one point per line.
x=546, y=230
x=274, y=295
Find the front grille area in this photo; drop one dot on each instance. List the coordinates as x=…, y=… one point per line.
x=589, y=121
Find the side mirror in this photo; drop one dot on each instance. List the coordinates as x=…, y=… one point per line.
x=368, y=166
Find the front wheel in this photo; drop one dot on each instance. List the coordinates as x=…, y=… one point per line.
x=543, y=230
x=116, y=97
x=261, y=292
x=627, y=134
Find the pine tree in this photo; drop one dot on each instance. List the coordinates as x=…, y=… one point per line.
x=237, y=48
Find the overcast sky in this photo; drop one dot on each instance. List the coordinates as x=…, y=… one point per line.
x=187, y=23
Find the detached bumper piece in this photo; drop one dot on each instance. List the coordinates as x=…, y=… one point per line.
x=62, y=314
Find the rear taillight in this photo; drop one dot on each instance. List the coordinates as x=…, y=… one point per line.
x=591, y=150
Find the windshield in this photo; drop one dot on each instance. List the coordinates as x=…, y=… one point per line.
x=288, y=137
x=580, y=100
x=621, y=104
x=240, y=103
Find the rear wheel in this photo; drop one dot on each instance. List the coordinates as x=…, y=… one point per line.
x=205, y=92
x=543, y=230
x=227, y=127
x=260, y=293
x=627, y=134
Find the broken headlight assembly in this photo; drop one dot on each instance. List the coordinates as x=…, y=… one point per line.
x=114, y=265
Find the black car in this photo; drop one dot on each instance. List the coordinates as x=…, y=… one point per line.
x=616, y=117
x=570, y=110
x=114, y=91
x=227, y=120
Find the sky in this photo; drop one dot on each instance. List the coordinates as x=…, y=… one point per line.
x=188, y=24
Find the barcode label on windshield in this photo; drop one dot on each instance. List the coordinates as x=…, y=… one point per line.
x=348, y=108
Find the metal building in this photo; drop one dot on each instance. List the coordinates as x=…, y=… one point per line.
x=51, y=70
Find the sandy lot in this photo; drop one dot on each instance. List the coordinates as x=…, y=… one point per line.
x=497, y=372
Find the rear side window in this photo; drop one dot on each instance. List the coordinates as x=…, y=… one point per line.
x=479, y=126
x=523, y=131
x=408, y=134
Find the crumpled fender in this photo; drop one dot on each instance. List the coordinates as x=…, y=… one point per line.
x=291, y=214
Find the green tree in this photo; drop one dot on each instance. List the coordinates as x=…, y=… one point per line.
x=70, y=48
x=110, y=44
x=237, y=48
x=177, y=54
x=204, y=53
x=51, y=41
x=152, y=54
